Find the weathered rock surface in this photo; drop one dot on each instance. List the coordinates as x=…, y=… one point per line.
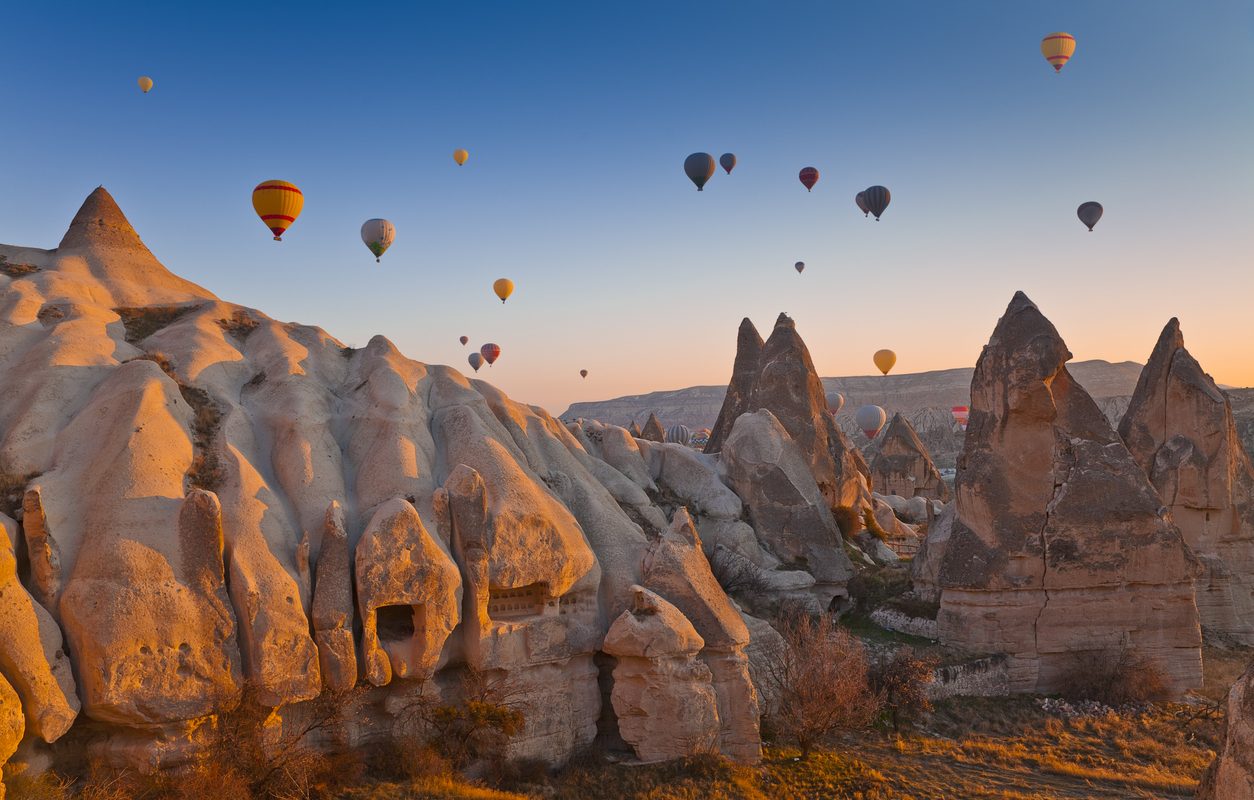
x=1231, y=775
x=1060, y=545
x=662, y=693
x=768, y=470
x=332, y=615
x=12, y=726
x=653, y=430
x=1179, y=427
x=901, y=465
x=740, y=388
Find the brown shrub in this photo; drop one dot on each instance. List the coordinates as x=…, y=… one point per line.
x=240, y=325
x=873, y=525
x=479, y=727
x=141, y=322
x=819, y=676
x=873, y=586
x=900, y=681
x=16, y=270
x=1115, y=677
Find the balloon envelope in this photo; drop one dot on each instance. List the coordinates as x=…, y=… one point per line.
x=463, y=339
x=860, y=199
x=799, y=266
x=962, y=414
x=1089, y=213
x=1058, y=49
x=699, y=167
x=491, y=352
x=145, y=83
x=679, y=434
x=808, y=177
x=884, y=360
x=835, y=402
x=870, y=419
x=460, y=156
x=727, y=161
x=503, y=287
x=475, y=360
x=278, y=203
x=378, y=235
x=583, y=373
x=877, y=199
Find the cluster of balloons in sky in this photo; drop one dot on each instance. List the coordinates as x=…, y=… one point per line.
x=871, y=418
x=279, y=203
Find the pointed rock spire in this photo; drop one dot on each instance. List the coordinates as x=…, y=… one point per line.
x=903, y=466
x=100, y=223
x=740, y=390
x=653, y=430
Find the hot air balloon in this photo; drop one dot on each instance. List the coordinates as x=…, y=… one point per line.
x=1089, y=213
x=799, y=266
x=503, y=287
x=460, y=156
x=491, y=352
x=808, y=177
x=877, y=199
x=835, y=402
x=583, y=373
x=700, y=439
x=870, y=419
x=145, y=83
x=962, y=414
x=1058, y=49
x=378, y=235
x=475, y=360
x=884, y=360
x=860, y=199
x=679, y=434
x=699, y=167
x=278, y=203
x=727, y=161
x=463, y=339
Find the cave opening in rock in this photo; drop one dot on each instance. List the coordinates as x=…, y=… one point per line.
x=395, y=623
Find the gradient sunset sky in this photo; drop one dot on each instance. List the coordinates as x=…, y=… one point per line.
x=578, y=117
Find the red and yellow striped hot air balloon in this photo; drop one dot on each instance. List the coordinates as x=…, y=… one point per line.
x=278, y=203
x=1058, y=49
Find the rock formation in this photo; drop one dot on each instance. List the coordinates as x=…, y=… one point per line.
x=653, y=430
x=1231, y=775
x=1179, y=428
x=902, y=466
x=1059, y=545
x=634, y=429
x=662, y=693
x=744, y=378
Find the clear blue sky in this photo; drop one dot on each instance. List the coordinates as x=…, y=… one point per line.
x=578, y=117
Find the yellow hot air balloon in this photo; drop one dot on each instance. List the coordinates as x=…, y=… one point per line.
x=278, y=203
x=145, y=83
x=884, y=360
x=460, y=156
x=503, y=287
x=1058, y=49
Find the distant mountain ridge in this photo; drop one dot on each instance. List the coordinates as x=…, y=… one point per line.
x=924, y=398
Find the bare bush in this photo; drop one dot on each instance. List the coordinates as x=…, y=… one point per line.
x=481, y=726
x=819, y=676
x=1115, y=677
x=737, y=575
x=900, y=682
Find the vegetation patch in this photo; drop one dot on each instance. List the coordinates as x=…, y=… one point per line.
x=873, y=525
x=12, y=488
x=143, y=321
x=16, y=270
x=240, y=324
x=871, y=587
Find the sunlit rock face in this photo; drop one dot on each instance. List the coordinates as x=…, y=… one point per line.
x=1231, y=775
x=1060, y=545
x=1179, y=427
x=215, y=505
x=902, y=466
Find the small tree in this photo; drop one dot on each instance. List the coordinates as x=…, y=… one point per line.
x=480, y=726
x=901, y=681
x=819, y=675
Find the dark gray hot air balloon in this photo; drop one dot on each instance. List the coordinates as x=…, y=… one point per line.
x=727, y=161
x=877, y=199
x=476, y=361
x=799, y=266
x=1089, y=213
x=860, y=199
x=679, y=434
x=699, y=167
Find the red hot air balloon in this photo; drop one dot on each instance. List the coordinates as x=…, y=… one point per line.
x=491, y=352
x=464, y=339
x=808, y=177
x=962, y=414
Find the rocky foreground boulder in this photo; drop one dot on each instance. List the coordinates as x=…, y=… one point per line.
x=901, y=465
x=1179, y=427
x=215, y=505
x=1231, y=775
x=1059, y=548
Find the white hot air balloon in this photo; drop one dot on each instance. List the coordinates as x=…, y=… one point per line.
x=378, y=234
x=871, y=420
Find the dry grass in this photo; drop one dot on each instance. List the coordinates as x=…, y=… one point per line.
x=16, y=270
x=240, y=325
x=142, y=322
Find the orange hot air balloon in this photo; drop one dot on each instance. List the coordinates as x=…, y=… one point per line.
x=1058, y=49
x=884, y=360
x=278, y=203
x=460, y=156
x=503, y=287
x=808, y=177
x=491, y=352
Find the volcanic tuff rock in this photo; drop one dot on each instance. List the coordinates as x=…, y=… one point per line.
x=901, y=465
x=202, y=484
x=1231, y=774
x=744, y=377
x=662, y=693
x=1060, y=545
x=653, y=430
x=1179, y=428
